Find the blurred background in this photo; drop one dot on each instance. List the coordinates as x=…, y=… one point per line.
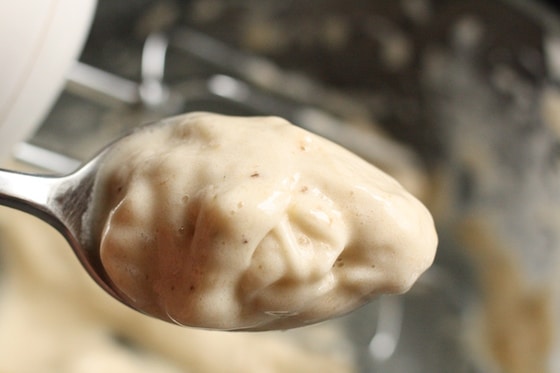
x=458, y=100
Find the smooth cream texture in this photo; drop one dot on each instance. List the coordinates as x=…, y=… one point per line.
x=252, y=223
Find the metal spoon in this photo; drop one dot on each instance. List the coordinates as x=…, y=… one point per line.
x=62, y=202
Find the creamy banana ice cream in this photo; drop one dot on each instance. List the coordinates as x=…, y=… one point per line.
x=252, y=223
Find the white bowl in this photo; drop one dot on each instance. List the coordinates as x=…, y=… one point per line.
x=39, y=41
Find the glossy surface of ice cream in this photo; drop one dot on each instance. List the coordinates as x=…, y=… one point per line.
x=253, y=223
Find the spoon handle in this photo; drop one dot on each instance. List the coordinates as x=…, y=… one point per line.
x=27, y=192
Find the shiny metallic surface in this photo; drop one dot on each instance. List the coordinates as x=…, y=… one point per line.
x=61, y=202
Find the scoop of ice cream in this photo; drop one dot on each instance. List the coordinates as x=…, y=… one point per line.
x=252, y=223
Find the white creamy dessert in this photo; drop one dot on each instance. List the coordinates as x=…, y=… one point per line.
x=252, y=223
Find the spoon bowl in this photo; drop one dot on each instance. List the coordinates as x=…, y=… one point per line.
x=308, y=233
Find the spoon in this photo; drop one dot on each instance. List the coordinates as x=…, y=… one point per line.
x=62, y=202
